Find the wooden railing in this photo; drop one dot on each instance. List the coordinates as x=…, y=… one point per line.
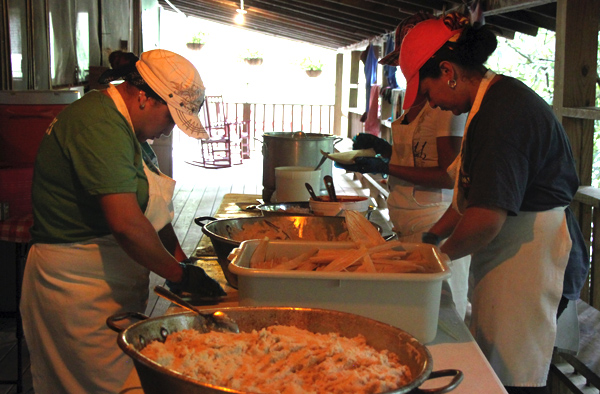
x=263, y=118
x=577, y=373
x=587, y=207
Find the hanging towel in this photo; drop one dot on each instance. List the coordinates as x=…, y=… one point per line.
x=397, y=98
x=390, y=71
x=372, y=122
x=370, y=73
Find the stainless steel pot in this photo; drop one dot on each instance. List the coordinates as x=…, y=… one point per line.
x=156, y=379
x=221, y=232
x=293, y=149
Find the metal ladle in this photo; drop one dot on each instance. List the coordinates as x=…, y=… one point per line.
x=217, y=321
x=321, y=162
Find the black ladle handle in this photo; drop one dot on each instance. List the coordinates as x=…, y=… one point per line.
x=311, y=192
x=330, y=187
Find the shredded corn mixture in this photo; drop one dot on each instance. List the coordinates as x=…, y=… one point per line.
x=281, y=359
x=288, y=230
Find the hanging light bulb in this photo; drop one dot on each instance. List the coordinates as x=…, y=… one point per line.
x=239, y=18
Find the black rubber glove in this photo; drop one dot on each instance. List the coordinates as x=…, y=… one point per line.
x=196, y=281
x=431, y=238
x=373, y=165
x=366, y=141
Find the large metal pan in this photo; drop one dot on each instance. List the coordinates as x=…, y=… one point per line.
x=221, y=232
x=156, y=379
x=299, y=208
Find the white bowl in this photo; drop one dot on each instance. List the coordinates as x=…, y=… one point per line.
x=344, y=203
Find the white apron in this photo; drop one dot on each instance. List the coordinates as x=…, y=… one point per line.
x=414, y=209
x=518, y=280
x=68, y=292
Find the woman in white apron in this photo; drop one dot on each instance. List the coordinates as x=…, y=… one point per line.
x=514, y=177
x=98, y=214
x=425, y=142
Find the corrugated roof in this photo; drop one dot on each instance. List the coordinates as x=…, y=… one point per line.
x=339, y=24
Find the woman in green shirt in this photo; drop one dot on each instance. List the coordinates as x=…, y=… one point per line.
x=102, y=222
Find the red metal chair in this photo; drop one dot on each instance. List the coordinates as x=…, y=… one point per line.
x=225, y=146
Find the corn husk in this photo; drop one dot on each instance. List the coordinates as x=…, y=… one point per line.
x=361, y=230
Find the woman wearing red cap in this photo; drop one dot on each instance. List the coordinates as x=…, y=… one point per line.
x=102, y=222
x=515, y=177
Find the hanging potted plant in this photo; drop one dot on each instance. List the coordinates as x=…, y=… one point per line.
x=313, y=68
x=197, y=42
x=253, y=58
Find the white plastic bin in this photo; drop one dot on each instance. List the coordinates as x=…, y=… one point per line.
x=408, y=301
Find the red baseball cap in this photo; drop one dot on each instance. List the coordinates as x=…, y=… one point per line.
x=418, y=46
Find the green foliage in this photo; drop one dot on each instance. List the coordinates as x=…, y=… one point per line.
x=199, y=38
x=531, y=60
x=308, y=64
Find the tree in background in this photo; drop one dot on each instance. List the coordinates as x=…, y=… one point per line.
x=531, y=60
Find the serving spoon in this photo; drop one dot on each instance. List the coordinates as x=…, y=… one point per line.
x=217, y=321
x=330, y=188
x=312, y=192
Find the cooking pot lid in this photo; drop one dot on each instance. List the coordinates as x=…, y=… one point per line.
x=299, y=135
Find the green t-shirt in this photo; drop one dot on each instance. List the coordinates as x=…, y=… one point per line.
x=89, y=150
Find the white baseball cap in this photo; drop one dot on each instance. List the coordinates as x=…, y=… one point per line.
x=178, y=83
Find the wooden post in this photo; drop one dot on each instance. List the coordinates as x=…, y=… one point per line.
x=339, y=89
x=575, y=76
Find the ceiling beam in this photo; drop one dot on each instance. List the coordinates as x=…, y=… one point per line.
x=337, y=24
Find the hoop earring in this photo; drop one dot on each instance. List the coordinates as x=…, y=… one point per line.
x=452, y=83
x=142, y=106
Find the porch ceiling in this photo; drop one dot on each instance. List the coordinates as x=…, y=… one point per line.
x=339, y=24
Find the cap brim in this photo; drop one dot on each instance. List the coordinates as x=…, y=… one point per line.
x=189, y=124
x=391, y=59
x=412, y=88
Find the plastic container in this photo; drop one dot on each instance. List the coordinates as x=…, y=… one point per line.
x=408, y=301
x=345, y=203
x=290, y=183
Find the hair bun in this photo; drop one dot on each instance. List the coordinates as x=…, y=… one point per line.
x=121, y=63
x=120, y=59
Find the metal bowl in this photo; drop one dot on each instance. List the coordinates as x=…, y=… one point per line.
x=299, y=208
x=156, y=379
x=221, y=233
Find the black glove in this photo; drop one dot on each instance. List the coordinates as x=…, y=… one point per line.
x=431, y=238
x=366, y=141
x=196, y=281
x=374, y=165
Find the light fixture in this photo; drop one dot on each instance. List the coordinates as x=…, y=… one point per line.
x=239, y=18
